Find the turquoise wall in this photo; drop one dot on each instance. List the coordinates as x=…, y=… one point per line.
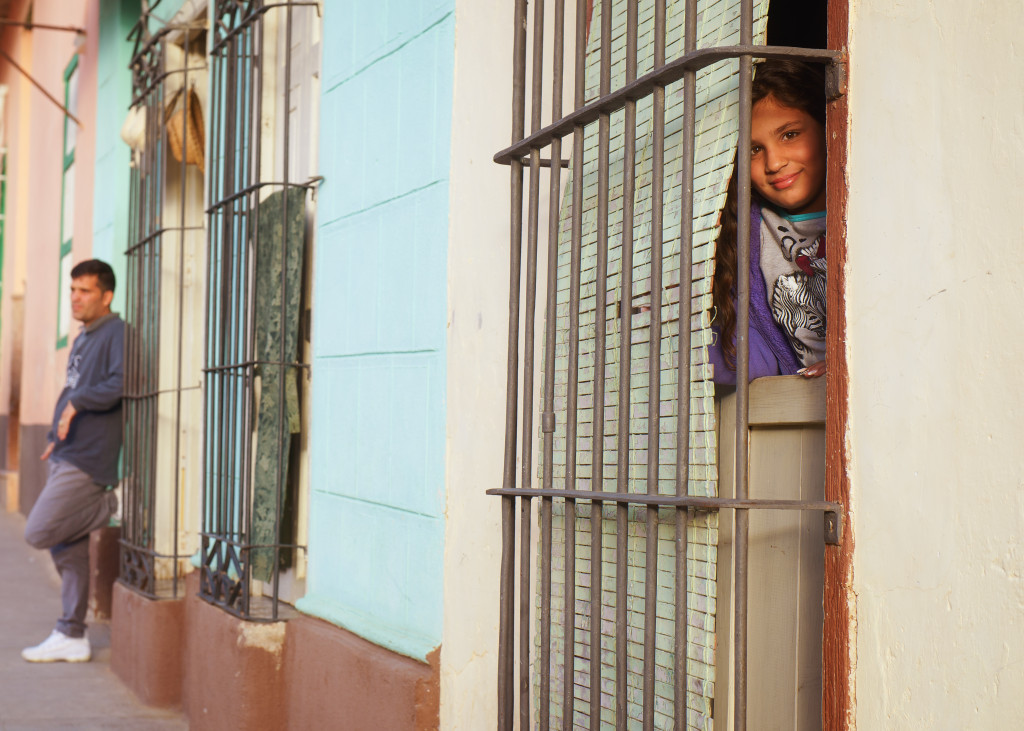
x=112, y=174
x=378, y=431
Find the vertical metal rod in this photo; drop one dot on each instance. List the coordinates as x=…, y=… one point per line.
x=525, y=552
x=683, y=380
x=625, y=371
x=181, y=331
x=654, y=366
x=518, y=125
x=247, y=243
x=153, y=299
x=210, y=425
x=236, y=488
x=548, y=418
x=144, y=335
x=505, y=628
x=740, y=544
x=506, y=651
x=213, y=394
x=226, y=477
x=682, y=637
x=600, y=330
x=572, y=395
x=284, y=356
x=526, y=504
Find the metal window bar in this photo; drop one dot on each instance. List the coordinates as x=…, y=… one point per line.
x=581, y=492
x=255, y=254
x=152, y=556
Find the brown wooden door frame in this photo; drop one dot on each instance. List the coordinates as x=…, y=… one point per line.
x=840, y=607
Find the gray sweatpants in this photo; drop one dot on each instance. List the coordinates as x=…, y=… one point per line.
x=70, y=507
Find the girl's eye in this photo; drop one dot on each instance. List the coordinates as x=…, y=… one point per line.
x=754, y=150
x=791, y=135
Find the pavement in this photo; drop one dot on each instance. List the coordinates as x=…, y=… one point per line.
x=56, y=696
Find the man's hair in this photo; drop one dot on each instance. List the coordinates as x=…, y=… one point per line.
x=104, y=274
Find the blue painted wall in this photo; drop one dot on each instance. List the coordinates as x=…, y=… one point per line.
x=378, y=424
x=112, y=174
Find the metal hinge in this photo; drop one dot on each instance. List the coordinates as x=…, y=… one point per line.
x=833, y=527
x=835, y=79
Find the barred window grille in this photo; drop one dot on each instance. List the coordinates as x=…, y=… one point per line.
x=256, y=371
x=163, y=310
x=608, y=616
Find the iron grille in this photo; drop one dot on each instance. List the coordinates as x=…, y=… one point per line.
x=164, y=235
x=256, y=259
x=624, y=399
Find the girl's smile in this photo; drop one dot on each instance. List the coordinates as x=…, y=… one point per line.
x=787, y=157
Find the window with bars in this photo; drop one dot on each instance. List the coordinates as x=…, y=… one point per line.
x=67, y=207
x=617, y=627
x=163, y=307
x=263, y=62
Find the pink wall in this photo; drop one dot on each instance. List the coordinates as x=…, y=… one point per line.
x=34, y=211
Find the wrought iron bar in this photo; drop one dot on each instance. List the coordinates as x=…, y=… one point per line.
x=645, y=85
x=235, y=357
x=525, y=151
x=548, y=414
x=625, y=369
x=684, y=353
x=598, y=391
x=147, y=521
x=506, y=640
x=654, y=366
x=741, y=537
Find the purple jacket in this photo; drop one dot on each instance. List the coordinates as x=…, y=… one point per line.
x=770, y=352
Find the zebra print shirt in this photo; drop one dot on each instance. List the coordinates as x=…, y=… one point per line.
x=793, y=265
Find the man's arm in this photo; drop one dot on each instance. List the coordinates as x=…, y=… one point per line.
x=104, y=395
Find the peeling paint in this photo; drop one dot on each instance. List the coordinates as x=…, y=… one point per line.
x=266, y=637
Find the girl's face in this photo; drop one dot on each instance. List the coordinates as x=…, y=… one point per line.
x=787, y=157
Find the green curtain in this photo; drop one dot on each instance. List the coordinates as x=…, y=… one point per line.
x=278, y=301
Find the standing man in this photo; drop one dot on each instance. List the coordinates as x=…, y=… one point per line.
x=84, y=445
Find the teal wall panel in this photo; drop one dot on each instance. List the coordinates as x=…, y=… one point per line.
x=388, y=264
x=372, y=581
x=363, y=32
x=378, y=422
x=386, y=128
x=113, y=95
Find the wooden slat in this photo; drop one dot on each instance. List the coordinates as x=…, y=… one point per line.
x=787, y=400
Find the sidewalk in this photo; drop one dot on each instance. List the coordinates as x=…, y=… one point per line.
x=52, y=696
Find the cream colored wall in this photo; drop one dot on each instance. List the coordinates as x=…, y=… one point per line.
x=935, y=344
x=182, y=328
x=477, y=337
x=478, y=294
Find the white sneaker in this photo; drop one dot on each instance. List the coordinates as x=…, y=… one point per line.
x=59, y=647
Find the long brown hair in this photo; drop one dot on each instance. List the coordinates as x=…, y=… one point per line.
x=793, y=84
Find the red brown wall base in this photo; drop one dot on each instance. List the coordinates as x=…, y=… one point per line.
x=232, y=669
x=336, y=679
x=104, y=550
x=246, y=676
x=146, y=645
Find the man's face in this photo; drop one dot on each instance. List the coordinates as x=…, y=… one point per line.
x=88, y=301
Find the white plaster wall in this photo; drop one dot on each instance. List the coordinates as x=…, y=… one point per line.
x=478, y=293
x=936, y=339
x=477, y=327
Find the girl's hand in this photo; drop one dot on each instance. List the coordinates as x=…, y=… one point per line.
x=813, y=371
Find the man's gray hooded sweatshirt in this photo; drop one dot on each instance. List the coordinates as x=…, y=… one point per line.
x=95, y=384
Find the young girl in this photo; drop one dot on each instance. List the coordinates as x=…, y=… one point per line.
x=787, y=231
